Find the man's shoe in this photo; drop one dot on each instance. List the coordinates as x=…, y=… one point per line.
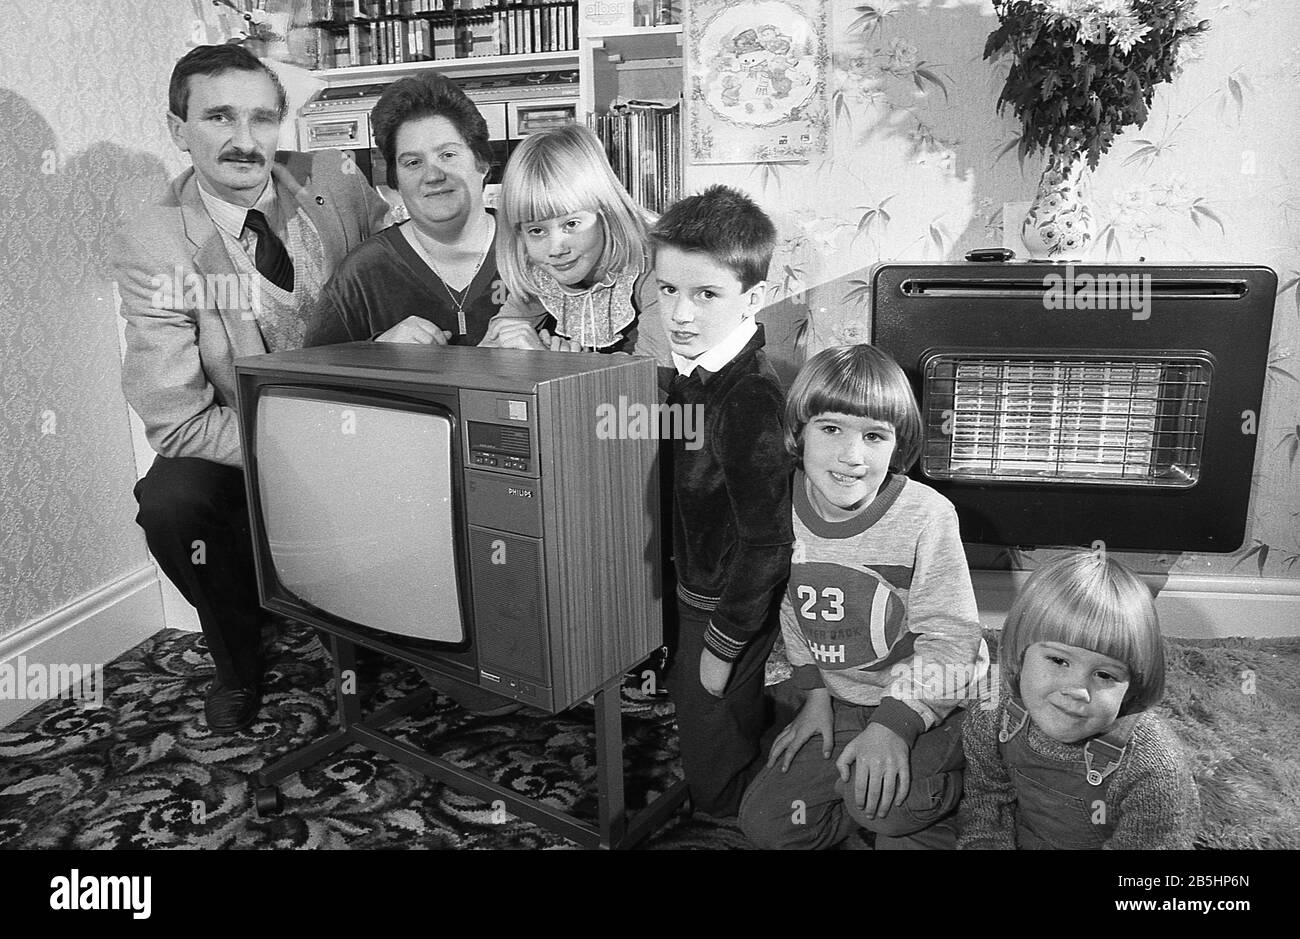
x=230, y=709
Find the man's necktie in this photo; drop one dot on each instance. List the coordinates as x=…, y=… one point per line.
x=273, y=261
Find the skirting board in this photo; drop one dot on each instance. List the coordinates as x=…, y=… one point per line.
x=177, y=612
x=90, y=631
x=1189, y=606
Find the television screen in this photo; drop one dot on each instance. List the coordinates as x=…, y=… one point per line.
x=344, y=533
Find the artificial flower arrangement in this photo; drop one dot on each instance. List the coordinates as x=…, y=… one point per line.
x=258, y=20
x=1083, y=70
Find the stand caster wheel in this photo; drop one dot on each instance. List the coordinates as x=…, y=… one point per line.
x=267, y=801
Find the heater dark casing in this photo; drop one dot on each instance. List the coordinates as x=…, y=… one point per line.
x=1218, y=314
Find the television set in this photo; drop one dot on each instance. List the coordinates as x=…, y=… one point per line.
x=473, y=511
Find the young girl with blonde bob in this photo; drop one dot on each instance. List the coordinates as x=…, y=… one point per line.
x=1072, y=755
x=572, y=251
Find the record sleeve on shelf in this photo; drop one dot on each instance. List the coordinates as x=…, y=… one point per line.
x=643, y=141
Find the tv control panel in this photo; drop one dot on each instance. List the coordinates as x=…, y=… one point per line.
x=500, y=431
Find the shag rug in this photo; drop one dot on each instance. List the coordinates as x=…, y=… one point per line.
x=143, y=771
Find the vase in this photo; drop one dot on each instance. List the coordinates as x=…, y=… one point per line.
x=1059, y=224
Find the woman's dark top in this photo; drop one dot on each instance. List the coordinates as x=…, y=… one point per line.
x=383, y=281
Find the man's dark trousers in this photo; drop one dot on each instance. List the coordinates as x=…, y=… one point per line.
x=195, y=518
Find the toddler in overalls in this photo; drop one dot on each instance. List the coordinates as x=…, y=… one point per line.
x=1071, y=756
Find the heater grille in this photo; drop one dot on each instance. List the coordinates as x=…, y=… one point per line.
x=1078, y=418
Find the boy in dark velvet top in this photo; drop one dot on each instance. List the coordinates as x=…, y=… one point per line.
x=731, y=486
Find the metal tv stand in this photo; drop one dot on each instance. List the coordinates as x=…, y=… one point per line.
x=615, y=829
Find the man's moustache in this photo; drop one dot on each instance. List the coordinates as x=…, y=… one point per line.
x=252, y=155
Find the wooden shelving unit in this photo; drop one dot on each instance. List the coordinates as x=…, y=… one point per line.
x=635, y=62
x=639, y=61
x=472, y=65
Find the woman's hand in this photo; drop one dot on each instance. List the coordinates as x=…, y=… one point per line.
x=415, y=329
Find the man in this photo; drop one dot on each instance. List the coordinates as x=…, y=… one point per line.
x=227, y=263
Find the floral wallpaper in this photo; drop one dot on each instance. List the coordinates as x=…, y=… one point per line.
x=922, y=168
x=82, y=98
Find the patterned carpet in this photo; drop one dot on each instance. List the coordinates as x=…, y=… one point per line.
x=143, y=771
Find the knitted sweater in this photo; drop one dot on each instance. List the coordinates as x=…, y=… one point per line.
x=731, y=498
x=1152, y=799
x=879, y=608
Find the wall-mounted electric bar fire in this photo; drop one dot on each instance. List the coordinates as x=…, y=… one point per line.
x=1066, y=405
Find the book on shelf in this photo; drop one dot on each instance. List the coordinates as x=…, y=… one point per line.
x=380, y=32
x=643, y=141
x=444, y=40
x=359, y=51
x=485, y=36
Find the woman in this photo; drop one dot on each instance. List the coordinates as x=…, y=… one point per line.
x=432, y=279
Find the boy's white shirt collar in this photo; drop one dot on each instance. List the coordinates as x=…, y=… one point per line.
x=230, y=217
x=712, y=360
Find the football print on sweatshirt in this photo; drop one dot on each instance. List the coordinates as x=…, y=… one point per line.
x=852, y=617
